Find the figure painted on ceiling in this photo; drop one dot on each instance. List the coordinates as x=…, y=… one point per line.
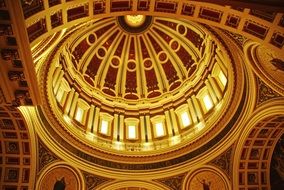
x=60, y=184
x=206, y=185
x=278, y=63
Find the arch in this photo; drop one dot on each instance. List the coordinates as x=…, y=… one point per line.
x=256, y=144
x=17, y=150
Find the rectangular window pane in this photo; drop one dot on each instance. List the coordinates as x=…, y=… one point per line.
x=185, y=119
x=104, y=127
x=208, y=102
x=79, y=114
x=222, y=78
x=131, y=132
x=160, y=129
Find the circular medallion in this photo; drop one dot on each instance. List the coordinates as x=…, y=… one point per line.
x=162, y=56
x=59, y=177
x=101, y=52
x=174, y=45
x=115, y=61
x=181, y=29
x=147, y=63
x=92, y=38
x=206, y=179
x=131, y=65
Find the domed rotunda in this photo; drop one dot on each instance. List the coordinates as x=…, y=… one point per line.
x=141, y=95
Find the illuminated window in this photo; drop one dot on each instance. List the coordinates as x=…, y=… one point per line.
x=132, y=132
x=159, y=129
x=208, y=102
x=135, y=20
x=185, y=119
x=104, y=127
x=222, y=78
x=79, y=114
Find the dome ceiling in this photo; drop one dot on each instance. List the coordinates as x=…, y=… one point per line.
x=183, y=90
x=139, y=86
x=140, y=64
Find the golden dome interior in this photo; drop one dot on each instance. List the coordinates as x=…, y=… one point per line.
x=139, y=91
x=146, y=94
